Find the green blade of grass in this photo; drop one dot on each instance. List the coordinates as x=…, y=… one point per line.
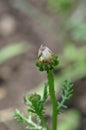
x=11, y=51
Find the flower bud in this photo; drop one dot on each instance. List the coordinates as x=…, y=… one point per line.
x=47, y=60
x=45, y=55
x=34, y=97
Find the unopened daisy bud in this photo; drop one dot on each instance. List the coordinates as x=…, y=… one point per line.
x=34, y=97
x=45, y=55
x=46, y=59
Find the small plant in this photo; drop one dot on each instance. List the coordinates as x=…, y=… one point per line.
x=46, y=61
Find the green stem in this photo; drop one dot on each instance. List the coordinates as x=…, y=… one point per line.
x=53, y=99
x=44, y=122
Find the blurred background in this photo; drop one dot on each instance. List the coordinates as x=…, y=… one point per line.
x=24, y=26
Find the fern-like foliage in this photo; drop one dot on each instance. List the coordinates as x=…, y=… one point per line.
x=19, y=116
x=67, y=92
x=30, y=124
x=45, y=94
x=36, y=105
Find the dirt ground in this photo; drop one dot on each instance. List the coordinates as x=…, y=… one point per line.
x=19, y=74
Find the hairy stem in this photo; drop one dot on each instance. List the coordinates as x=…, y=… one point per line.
x=53, y=99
